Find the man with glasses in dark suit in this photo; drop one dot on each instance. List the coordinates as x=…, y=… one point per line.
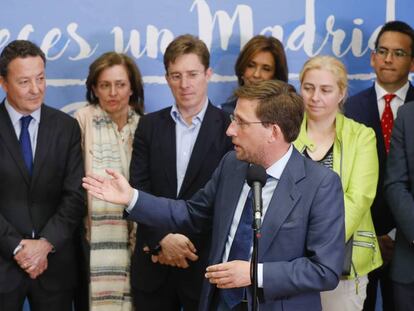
x=376, y=107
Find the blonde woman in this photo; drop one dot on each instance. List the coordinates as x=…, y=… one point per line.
x=348, y=148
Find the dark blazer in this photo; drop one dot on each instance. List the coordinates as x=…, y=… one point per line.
x=229, y=106
x=302, y=243
x=153, y=169
x=399, y=192
x=363, y=108
x=50, y=202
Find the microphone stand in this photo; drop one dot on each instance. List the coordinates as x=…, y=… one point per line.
x=257, y=225
x=256, y=178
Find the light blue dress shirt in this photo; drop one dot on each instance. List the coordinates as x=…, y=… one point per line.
x=185, y=138
x=275, y=171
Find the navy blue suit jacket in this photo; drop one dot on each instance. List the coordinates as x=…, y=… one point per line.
x=399, y=191
x=153, y=169
x=51, y=201
x=363, y=108
x=302, y=244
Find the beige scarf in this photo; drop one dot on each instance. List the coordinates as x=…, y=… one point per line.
x=109, y=233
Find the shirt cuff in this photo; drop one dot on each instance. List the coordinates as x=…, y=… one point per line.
x=392, y=233
x=260, y=275
x=17, y=249
x=133, y=201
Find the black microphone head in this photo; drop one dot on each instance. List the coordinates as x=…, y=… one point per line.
x=256, y=173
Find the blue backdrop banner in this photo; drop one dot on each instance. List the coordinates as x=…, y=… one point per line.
x=74, y=33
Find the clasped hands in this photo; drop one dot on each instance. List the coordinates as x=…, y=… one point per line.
x=176, y=250
x=32, y=257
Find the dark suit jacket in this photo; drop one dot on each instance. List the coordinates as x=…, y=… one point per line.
x=302, y=243
x=51, y=201
x=399, y=192
x=363, y=108
x=229, y=106
x=153, y=169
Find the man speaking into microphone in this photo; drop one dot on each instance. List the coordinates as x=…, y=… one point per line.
x=302, y=235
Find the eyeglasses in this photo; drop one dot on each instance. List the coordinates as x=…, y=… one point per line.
x=398, y=53
x=191, y=75
x=241, y=123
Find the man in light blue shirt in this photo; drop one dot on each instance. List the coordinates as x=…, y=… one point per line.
x=175, y=152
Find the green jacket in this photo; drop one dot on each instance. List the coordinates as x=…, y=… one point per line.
x=355, y=160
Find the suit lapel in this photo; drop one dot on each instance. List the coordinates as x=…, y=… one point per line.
x=8, y=135
x=371, y=108
x=285, y=197
x=225, y=212
x=206, y=137
x=410, y=94
x=168, y=148
x=44, y=138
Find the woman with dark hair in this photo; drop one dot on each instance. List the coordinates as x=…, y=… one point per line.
x=116, y=101
x=262, y=58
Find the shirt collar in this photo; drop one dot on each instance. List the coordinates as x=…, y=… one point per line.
x=276, y=169
x=15, y=116
x=401, y=92
x=198, y=118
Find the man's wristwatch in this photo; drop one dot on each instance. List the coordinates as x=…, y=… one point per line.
x=155, y=250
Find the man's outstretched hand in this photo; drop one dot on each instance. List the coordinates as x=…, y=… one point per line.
x=114, y=189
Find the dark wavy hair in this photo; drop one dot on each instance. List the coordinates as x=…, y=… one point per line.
x=16, y=49
x=258, y=44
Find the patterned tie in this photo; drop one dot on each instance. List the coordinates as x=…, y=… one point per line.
x=25, y=143
x=240, y=250
x=387, y=121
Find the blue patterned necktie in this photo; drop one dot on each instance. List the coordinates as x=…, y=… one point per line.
x=25, y=143
x=240, y=250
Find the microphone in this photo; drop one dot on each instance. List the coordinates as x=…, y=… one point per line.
x=256, y=178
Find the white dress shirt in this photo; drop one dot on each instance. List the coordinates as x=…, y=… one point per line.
x=396, y=102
